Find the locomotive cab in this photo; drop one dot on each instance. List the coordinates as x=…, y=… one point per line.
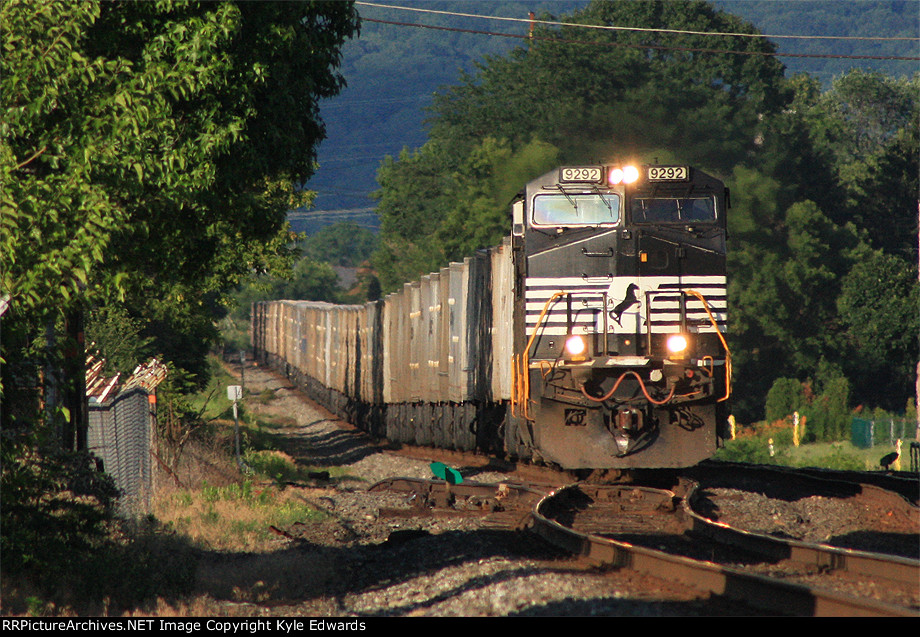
x=620, y=354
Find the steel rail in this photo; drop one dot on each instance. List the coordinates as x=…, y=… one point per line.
x=904, y=484
x=769, y=594
x=828, y=558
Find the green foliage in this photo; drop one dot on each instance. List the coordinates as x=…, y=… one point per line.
x=820, y=293
x=312, y=281
x=784, y=398
x=55, y=506
x=619, y=93
x=309, y=281
x=784, y=281
x=150, y=152
x=839, y=460
x=62, y=544
x=881, y=189
x=828, y=415
x=754, y=450
x=344, y=243
x=312, y=277
x=273, y=466
x=242, y=492
x=878, y=309
x=866, y=126
x=55, y=220
x=861, y=113
x=491, y=175
x=118, y=338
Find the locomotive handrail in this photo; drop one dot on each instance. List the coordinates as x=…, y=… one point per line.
x=523, y=386
x=728, y=354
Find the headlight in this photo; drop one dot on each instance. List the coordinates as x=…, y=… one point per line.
x=624, y=175
x=677, y=343
x=576, y=346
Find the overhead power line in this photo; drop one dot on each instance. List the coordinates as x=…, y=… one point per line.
x=341, y=212
x=643, y=46
x=619, y=28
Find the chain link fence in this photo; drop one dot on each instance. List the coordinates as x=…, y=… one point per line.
x=888, y=432
x=121, y=436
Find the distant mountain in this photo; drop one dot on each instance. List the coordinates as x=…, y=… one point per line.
x=393, y=70
x=392, y=74
x=851, y=18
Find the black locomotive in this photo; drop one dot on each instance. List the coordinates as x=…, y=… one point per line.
x=621, y=358
x=592, y=338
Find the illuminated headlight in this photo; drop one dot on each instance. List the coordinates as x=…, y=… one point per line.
x=677, y=343
x=624, y=175
x=576, y=346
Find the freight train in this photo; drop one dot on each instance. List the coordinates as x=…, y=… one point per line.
x=593, y=337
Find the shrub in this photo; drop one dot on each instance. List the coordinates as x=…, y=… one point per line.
x=63, y=546
x=785, y=397
x=754, y=450
x=274, y=465
x=829, y=414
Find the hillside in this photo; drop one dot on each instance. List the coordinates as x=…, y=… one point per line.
x=393, y=71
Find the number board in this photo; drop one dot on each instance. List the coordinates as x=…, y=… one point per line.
x=581, y=174
x=668, y=173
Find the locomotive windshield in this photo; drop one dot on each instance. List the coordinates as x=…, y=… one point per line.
x=673, y=209
x=576, y=209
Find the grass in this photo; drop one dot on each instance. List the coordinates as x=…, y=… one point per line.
x=841, y=455
x=235, y=517
x=174, y=560
x=832, y=454
x=276, y=465
x=236, y=513
x=212, y=401
x=230, y=509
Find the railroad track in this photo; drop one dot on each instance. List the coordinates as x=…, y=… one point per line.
x=837, y=482
x=659, y=532
x=503, y=506
x=656, y=532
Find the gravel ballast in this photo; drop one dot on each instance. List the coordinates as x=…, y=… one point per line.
x=356, y=562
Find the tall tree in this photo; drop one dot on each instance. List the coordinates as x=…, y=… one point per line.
x=605, y=93
x=575, y=95
x=866, y=126
x=344, y=243
x=878, y=309
x=150, y=151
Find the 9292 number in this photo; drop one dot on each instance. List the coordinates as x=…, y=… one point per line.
x=668, y=173
x=581, y=174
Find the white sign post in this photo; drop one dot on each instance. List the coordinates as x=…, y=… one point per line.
x=235, y=393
